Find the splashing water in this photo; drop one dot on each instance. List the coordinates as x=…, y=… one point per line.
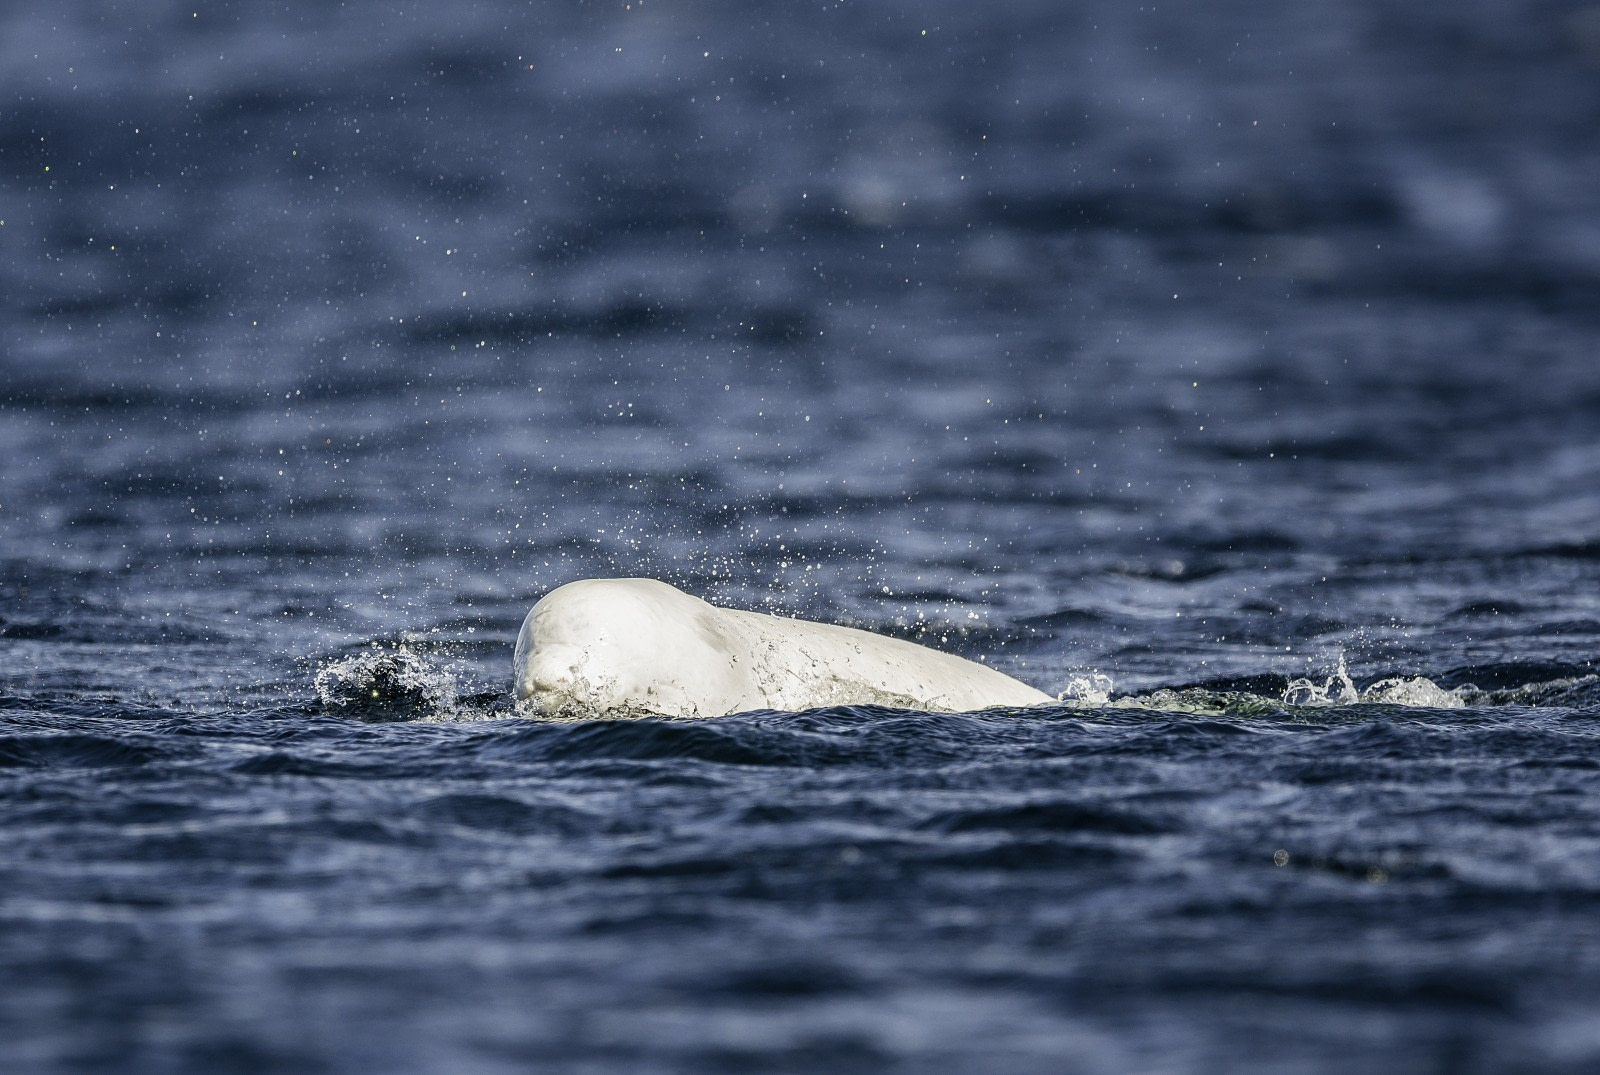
x=1337, y=689
x=1415, y=691
x=386, y=684
x=1091, y=688
x=1340, y=689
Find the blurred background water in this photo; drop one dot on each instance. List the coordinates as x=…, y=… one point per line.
x=1231, y=371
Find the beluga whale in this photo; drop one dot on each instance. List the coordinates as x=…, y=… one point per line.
x=643, y=648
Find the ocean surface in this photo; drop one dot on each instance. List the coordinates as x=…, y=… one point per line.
x=1231, y=372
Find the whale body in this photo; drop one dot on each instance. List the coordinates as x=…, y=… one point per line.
x=640, y=647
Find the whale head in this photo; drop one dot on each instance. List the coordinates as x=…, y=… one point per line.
x=629, y=646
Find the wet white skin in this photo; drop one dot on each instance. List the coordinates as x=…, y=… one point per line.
x=639, y=647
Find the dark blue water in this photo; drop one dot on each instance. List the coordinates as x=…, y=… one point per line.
x=1230, y=372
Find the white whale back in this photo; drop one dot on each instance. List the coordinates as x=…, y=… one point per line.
x=639, y=647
